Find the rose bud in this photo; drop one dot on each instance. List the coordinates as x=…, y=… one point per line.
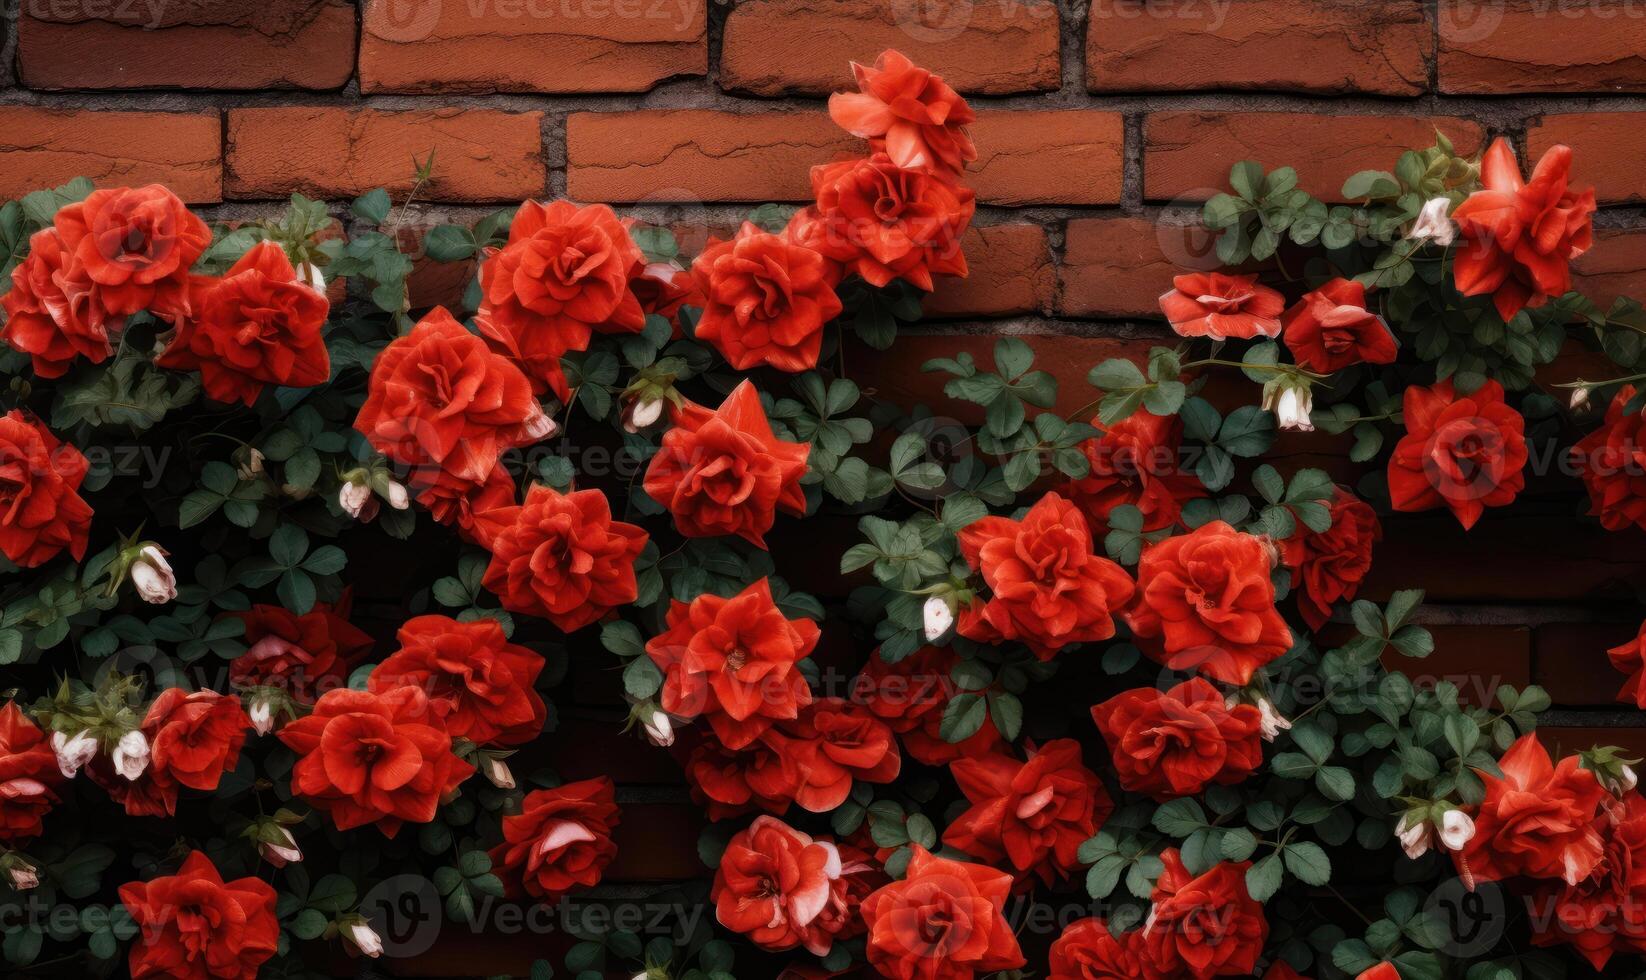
x=1580, y=399
x=278, y=846
x=1271, y=722
x=250, y=463
x=357, y=501
x=1414, y=835
x=1626, y=778
x=659, y=727
x=397, y=496
x=939, y=618
x=538, y=425
x=131, y=754
x=23, y=875
x=361, y=936
x=309, y=275
x=261, y=715
x=496, y=771
x=641, y=413
x=1290, y=403
x=72, y=753
x=1456, y=829
x=1432, y=224
x=151, y=575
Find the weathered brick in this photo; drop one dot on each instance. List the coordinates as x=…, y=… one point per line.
x=1187, y=154
x=991, y=48
x=1294, y=45
x=1511, y=46
x=1606, y=149
x=1048, y=157
x=1614, y=266
x=480, y=154
x=45, y=147
x=1569, y=661
x=530, y=45
x=1120, y=266
x=1009, y=272
x=233, y=44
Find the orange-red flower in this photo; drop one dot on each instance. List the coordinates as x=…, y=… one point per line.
x=911, y=696
x=1330, y=329
x=1177, y=742
x=194, y=738
x=1203, y=927
x=136, y=244
x=1136, y=461
x=560, y=840
x=1602, y=914
x=478, y=509
x=54, y=312
x=1328, y=566
x=562, y=557
x=834, y=742
x=913, y=115
x=1222, y=306
x=1630, y=658
x=1612, y=462
x=41, y=511
x=762, y=775
x=564, y=273
x=1521, y=236
x=772, y=884
x=304, y=656
x=194, y=924
x=765, y=300
x=1538, y=819
x=725, y=472
x=373, y=757
x=943, y=921
x=1087, y=950
x=1462, y=452
x=1205, y=602
x=28, y=771
x=665, y=289
x=480, y=686
x=1046, y=587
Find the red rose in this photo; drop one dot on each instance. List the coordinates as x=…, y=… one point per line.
x=1282, y=970
x=1205, y=602
x=943, y=921
x=734, y=661
x=765, y=300
x=1602, y=914
x=1612, y=462
x=1035, y=814
x=772, y=884
x=28, y=770
x=1630, y=658
x=41, y=512
x=911, y=114
x=1463, y=452
x=1177, y=742
x=256, y=326
x=1328, y=566
x=438, y=398
x=1087, y=950
x=834, y=742
x=560, y=840
x=1382, y=971
x=1331, y=329
x=724, y=472
x=562, y=557
x=664, y=289
x=842, y=917
x=373, y=757
x=911, y=695
x=136, y=244
x=1046, y=587
x=305, y=656
x=1222, y=306
x=54, y=312
x=1519, y=237
x=884, y=222
x=1136, y=461
x=196, y=925
x=194, y=738
x=481, y=687
x=479, y=510
x=1203, y=927
x=563, y=274
x=762, y=775
x=1537, y=820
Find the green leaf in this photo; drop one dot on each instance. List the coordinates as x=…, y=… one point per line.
x=1308, y=862
x=373, y=206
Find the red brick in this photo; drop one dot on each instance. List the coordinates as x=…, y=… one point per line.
x=1187, y=155
x=433, y=283
x=991, y=48
x=1295, y=45
x=234, y=44
x=1009, y=272
x=1120, y=266
x=1570, y=662
x=480, y=154
x=1025, y=157
x=1512, y=46
x=1606, y=147
x=1478, y=659
x=45, y=147
x=530, y=45
x=1614, y=266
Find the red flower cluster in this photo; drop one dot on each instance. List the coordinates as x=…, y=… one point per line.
x=1137, y=461
x=1202, y=927
x=1604, y=913
x=1537, y=820
x=480, y=686
x=193, y=739
x=782, y=889
x=41, y=511
x=1222, y=306
x=1035, y=814
x=562, y=557
x=304, y=656
x=909, y=113
x=942, y=921
x=766, y=298
x=1177, y=742
x=1462, y=452
x=1328, y=566
x=28, y=773
x=1087, y=950
x=911, y=695
x=1612, y=462
x=194, y=924
x=1330, y=329
x=560, y=840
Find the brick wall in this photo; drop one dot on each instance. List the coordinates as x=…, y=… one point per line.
x=1100, y=126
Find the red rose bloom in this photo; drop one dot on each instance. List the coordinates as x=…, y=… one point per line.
x=884, y=222
x=834, y=742
x=1136, y=461
x=1047, y=589
x=1088, y=951
x=1328, y=566
x=560, y=840
x=1630, y=658
x=734, y=661
x=564, y=558
x=41, y=511
x=54, y=312
x=772, y=884
x=765, y=300
x=563, y=274
x=911, y=695
x=941, y=922
x=1612, y=462
x=762, y=775
x=195, y=925
x=1602, y=914
x=480, y=686
x=28, y=770
x=136, y=244
x=194, y=738
x=1205, y=602
x=1035, y=814
x=373, y=757
x=842, y=917
x=917, y=119
x=1538, y=820
x=724, y=472
x=664, y=289
x=305, y=656
x=1463, y=452
x=1222, y=306
x=479, y=510
x=1203, y=927
x=1520, y=237
x=438, y=398
x=1175, y=743
x=1331, y=329
x=254, y=327
x=1382, y=971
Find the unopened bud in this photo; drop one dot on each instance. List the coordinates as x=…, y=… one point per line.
x=131, y=754
x=938, y=617
x=73, y=751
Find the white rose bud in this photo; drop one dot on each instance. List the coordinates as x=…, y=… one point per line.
x=262, y=716
x=357, y=501
x=539, y=425
x=939, y=618
x=1456, y=830
x=399, y=499
x=252, y=465
x=1627, y=777
x=642, y=414
x=1291, y=405
x=1271, y=721
x=72, y=753
x=498, y=773
x=364, y=938
x=309, y=275
x=283, y=852
x=1414, y=836
x=1432, y=224
x=131, y=754
x=24, y=876
x=152, y=576
x=1580, y=399
x=659, y=728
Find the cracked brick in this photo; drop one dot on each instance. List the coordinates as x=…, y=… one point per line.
x=1050, y=156
x=46, y=147
x=1010, y=273
x=1117, y=267
x=1516, y=46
